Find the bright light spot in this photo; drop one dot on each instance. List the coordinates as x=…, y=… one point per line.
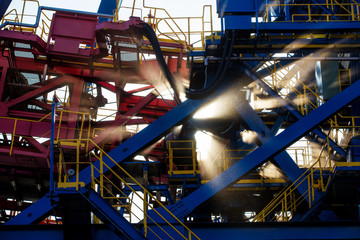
x=206, y=112
x=220, y=108
x=248, y=137
x=203, y=142
x=210, y=152
x=139, y=158
x=271, y=171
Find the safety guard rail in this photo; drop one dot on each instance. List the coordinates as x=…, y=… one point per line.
x=303, y=103
x=182, y=157
x=173, y=26
x=14, y=16
x=82, y=131
x=350, y=12
x=111, y=188
x=285, y=204
x=232, y=156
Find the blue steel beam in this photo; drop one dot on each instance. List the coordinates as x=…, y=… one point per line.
x=109, y=215
x=326, y=10
x=264, y=134
x=4, y=4
x=212, y=231
x=151, y=133
x=129, y=148
x=277, y=231
x=107, y=7
x=254, y=76
x=35, y=212
x=265, y=152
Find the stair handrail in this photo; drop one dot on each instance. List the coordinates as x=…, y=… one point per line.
x=333, y=122
x=144, y=190
x=288, y=191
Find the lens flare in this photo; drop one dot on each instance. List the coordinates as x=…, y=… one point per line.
x=209, y=155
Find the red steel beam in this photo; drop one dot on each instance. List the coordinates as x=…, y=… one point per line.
x=24, y=37
x=124, y=119
x=50, y=85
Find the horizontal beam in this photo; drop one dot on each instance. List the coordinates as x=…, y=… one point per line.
x=307, y=27
x=278, y=231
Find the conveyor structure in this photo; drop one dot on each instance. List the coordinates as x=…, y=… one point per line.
x=143, y=127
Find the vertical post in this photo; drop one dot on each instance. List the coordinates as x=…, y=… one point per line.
x=78, y=143
x=309, y=191
x=312, y=184
x=145, y=213
x=60, y=166
x=285, y=206
x=171, y=158
x=133, y=8
x=189, y=32
x=146, y=180
x=321, y=174
x=53, y=106
x=101, y=174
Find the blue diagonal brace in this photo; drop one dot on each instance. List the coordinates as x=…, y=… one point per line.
x=265, y=152
x=35, y=212
x=326, y=10
x=110, y=216
x=254, y=76
x=4, y=4
x=129, y=148
x=150, y=134
x=252, y=120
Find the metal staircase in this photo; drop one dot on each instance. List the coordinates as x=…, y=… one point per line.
x=288, y=203
x=108, y=194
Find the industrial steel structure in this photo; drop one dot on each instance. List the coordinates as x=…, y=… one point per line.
x=132, y=124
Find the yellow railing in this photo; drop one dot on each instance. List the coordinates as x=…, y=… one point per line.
x=83, y=131
x=232, y=156
x=301, y=155
x=302, y=101
x=44, y=26
x=351, y=11
x=343, y=133
x=344, y=82
x=285, y=204
x=13, y=13
x=188, y=22
x=111, y=189
x=172, y=27
x=287, y=86
x=182, y=157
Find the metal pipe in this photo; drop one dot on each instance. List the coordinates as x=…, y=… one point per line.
x=289, y=58
x=36, y=24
